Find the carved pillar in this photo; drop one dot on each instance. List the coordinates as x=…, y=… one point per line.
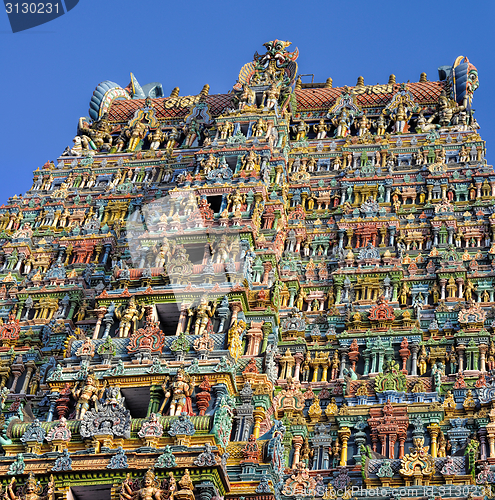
x=4, y=375
x=483, y=348
x=414, y=361
x=402, y=440
x=343, y=362
x=482, y=435
x=297, y=442
x=182, y=319
x=258, y=414
x=236, y=309
x=99, y=315
x=292, y=292
x=53, y=403
x=395, y=289
x=434, y=430
x=460, y=357
x=17, y=370
x=383, y=441
x=344, y=434
x=31, y=366
x=73, y=303
x=491, y=440
x=443, y=282
x=155, y=398
x=366, y=370
x=298, y=357
x=391, y=445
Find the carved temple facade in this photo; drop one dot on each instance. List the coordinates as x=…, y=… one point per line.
x=283, y=291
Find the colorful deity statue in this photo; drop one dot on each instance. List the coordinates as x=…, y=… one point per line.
x=179, y=393
x=86, y=393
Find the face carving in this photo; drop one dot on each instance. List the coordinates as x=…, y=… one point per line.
x=276, y=50
x=473, y=81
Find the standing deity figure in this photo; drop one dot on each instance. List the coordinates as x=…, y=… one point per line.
x=250, y=162
x=335, y=364
x=271, y=96
x=179, y=392
x=209, y=164
x=225, y=129
x=129, y=317
x=305, y=367
x=203, y=313
x=381, y=124
x=137, y=134
x=300, y=130
x=172, y=138
x=260, y=128
x=363, y=125
x=321, y=130
x=343, y=123
x=192, y=131
x=89, y=392
x=236, y=199
x=468, y=291
x=155, y=138
x=403, y=294
x=423, y=356
x=221, y=250
x=400, y=118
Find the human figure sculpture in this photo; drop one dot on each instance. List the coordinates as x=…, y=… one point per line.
x=300, y=130
x=321, y=130
x=271, y=96
x=128, y=317
x=88, y=393
x=250, y=162
x=343, y=123
x=423, y=356
x=381, y=124
x=192, y=131
x=155, y=138
x=32, y=490
x=137, y=134
x=148, y=491
x=203, y=313
x=260, y=128
x=179, y=391
x=247, y=97
x=400, y=118
x=363, y=125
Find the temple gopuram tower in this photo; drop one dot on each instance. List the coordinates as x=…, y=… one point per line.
x=281, y=292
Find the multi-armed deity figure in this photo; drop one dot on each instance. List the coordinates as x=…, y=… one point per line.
x=149, y=488
x=32, y=490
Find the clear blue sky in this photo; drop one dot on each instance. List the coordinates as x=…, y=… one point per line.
x=50, y=72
